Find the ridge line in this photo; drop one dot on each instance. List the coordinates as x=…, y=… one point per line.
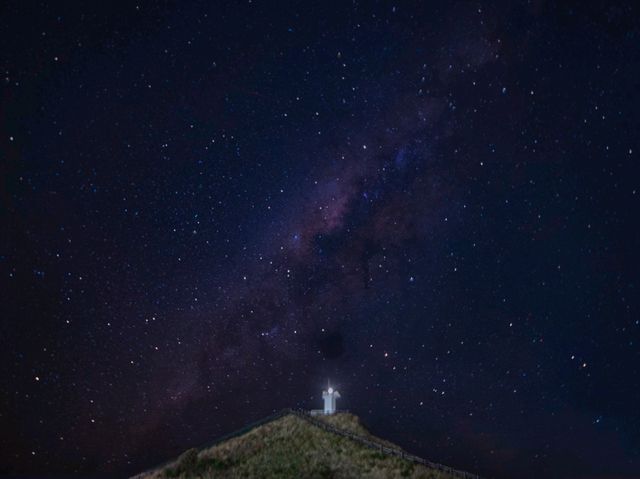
x=306, y=416
x=390, y=451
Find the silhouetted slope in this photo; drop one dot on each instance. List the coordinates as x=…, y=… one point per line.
x=296, y=446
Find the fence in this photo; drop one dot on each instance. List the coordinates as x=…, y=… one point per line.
x=306, y=416
x=381, y=447
x=218, y=440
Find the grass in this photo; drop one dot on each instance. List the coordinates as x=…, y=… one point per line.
x=290, y=447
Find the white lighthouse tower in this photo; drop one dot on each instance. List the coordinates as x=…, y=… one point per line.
x=330, y=396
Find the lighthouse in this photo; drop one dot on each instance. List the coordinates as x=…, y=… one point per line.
x=329, y=397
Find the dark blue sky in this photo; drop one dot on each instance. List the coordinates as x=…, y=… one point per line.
x=209, y=208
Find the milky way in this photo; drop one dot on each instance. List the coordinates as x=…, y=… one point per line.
x=209, y=210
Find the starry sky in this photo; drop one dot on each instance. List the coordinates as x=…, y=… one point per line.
x=209, y=208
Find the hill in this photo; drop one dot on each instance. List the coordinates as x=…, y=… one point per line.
x=295, y=445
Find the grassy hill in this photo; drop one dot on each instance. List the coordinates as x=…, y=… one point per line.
x=292, y=447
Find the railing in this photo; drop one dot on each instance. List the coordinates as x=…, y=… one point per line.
x=231, y=435
x=247, y=428
x=381, y=447
x=306, y=416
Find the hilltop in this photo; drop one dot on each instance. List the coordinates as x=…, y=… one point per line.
x=294, y=445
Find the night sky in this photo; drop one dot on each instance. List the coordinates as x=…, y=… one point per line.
x=207, y=209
